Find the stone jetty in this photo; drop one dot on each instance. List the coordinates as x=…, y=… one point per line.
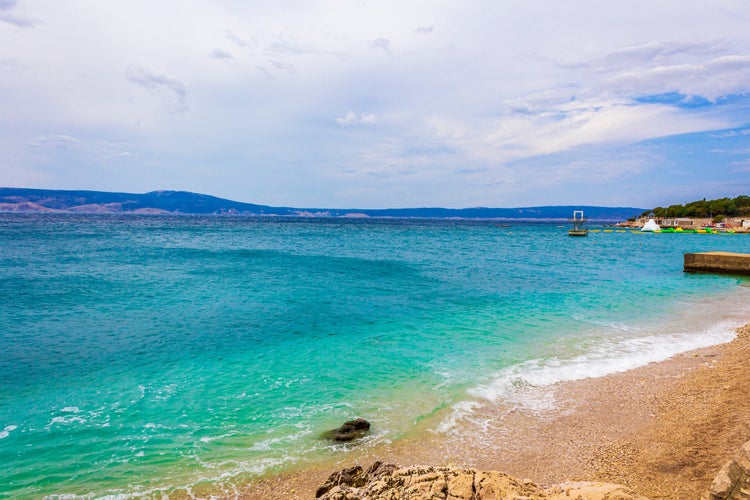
x=717, y=263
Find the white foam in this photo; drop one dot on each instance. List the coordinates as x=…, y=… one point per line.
x=521, y=385
x=222, y=480
x=66, y=420
x=208, y=439
x=71, y=409
x=460, y=410
x=606, y=358
x=268, y=444
x=6, y=432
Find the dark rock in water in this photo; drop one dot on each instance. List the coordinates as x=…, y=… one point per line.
x=351, y=430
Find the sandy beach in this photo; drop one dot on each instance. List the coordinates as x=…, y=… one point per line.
x=664, y=430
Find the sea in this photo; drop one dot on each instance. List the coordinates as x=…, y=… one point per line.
x=149, y=356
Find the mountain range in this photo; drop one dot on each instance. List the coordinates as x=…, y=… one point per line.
x=182, y=202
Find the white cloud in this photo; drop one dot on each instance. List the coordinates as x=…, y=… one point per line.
x=12, y=14
x=53, y=140
x=382, y=44
x=424, y=30
x=173, y=93
x=112, y=151
x=711, y=78
x=238, y=40
x=472, y=100
x=652, y=53
x=730, y=133
x=220, y=54
x=352, y=118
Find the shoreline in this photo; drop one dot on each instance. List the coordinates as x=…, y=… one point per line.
x=663, y=429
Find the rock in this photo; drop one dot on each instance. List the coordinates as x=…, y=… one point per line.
x=354, y=477
x=726, y=481
x=733, y=480
x=389, y=482
x=592, y=491
x=744, y=459
x=351, y=430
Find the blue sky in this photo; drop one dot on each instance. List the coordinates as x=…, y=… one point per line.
x=376, y=104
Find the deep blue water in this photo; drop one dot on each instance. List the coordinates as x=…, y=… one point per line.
x=145, y=353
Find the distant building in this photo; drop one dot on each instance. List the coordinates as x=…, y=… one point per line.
x=684, y=223
x=687, y=222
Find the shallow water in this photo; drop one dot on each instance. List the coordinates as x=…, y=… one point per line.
x=148, y=354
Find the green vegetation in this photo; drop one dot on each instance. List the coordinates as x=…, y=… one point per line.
x=720, y=208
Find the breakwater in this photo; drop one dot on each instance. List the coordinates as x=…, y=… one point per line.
x=717, y=263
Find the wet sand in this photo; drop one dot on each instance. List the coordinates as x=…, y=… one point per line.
x=664, y=429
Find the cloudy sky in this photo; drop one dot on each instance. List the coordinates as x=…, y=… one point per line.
x=374, y=104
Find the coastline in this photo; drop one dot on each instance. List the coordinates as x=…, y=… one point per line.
x=663, y=429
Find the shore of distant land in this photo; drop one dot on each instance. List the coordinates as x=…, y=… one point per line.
x=664, y=430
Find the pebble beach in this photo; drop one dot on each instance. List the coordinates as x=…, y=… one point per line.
x=664, y=430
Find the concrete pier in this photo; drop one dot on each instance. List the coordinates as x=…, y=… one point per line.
x=717, y=263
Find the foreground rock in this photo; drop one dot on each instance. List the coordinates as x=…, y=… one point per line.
x=351, y=430
x=389, y=482
x=733, y=480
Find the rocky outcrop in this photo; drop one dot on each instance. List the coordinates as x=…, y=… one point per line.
x=351, y=430
x=389, y=482
x=733, y=480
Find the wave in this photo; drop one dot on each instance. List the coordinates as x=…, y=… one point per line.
x=8, y=429
x=617, y=349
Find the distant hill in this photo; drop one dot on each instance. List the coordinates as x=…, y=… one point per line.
x=175, y=202
x=181, y=202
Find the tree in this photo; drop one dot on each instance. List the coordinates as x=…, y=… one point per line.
x=728, y=207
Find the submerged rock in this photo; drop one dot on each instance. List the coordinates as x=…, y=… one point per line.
x=351, y=430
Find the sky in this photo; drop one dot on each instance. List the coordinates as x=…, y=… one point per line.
x=378, y=104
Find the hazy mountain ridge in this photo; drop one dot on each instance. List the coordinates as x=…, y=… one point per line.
x=182, y=202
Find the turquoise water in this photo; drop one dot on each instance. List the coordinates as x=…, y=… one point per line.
x=143, y=355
